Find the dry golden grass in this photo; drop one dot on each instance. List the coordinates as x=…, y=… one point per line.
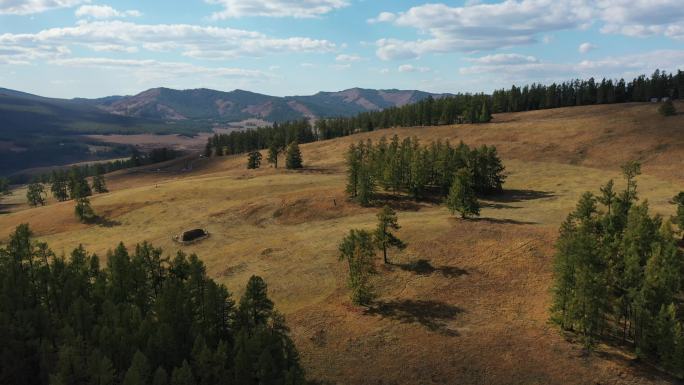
x=474, y=312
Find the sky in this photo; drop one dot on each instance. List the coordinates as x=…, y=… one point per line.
x=95, y=48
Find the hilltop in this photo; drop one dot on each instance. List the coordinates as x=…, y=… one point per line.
x=467, y=302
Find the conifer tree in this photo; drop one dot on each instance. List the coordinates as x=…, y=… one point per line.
x=485, y=113
x=84, y=212
x=160, y=377
x=183, y=375
x=4, y=187
x=358, y=250
x=462, y=197
x=254, y=160
x=35, y=194
x=273, y=152
x=667, y=108
x=293, y=159
x=139, y=371
x=678, y=218
x=255, y=306
x=99, y=184
x=384, y=238
x=59, y=186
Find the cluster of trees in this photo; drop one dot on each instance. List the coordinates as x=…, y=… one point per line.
x=585, y=92
x=461, y=108
x=141, y=319
x=667, y=108
x=406, y=166
x=277, y=137
x=359, y=249
x=618, y=273
x=71, y=184
x=293, y=156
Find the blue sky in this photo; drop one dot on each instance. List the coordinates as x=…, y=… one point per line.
x=93, y=48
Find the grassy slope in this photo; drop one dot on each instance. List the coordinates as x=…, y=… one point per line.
x=479, y=315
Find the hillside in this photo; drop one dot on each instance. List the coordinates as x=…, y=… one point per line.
x=217, y=106
x=474, y=312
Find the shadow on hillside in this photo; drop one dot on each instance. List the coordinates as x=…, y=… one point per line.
x=6, y=207
x=503, y=221
x=432, y=315
x=106, y=222
x=397, y=202
x=424, y=267
x=497, y=206
x=510, y=196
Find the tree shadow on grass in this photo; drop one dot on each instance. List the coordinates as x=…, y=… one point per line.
x=424, y=267
x=400, y=202
x=504, y=221
x=432, y=315
x=511, y=196
x=105, y=222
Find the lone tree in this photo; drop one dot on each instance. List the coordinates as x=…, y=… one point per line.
x=35, y=194
x=358, y=250
x=462, y=195
x=667, y=108
x=254, y=160
x=4, y=187
x=99, y=184
x=83, y=211
x=294, y=156
x=384, y=239
x=273, y=152
x=678, y=219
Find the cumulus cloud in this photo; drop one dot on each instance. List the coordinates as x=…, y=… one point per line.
x=412, y=68
x=276, y=8
x=344, y=58
x=485, y=26
x=586, y=47
x=104, y=12
x=190, y=40
x=504, y=58
x=27, y=7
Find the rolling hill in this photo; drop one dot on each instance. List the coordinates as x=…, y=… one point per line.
x=467, y=302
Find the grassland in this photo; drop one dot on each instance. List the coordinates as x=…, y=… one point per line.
x=474, y=311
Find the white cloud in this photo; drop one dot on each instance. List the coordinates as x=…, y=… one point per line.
x=344, y=58
x=479, y=26
x=190, y=40
x=27, y=7
x=504, y=58
x=340, y=67
x=383, y=17
x=412, y=68
x=104, y=12
x=276, y=8
x=485, y=26
x=525, y=72
x=586, y=47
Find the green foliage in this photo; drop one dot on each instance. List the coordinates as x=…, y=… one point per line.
x=383, y=236
x=667, y=108
x=462, y=198
x=358, y=250
x=35, y=194
x=617, y=272
x=418, y=170
x=254, y=160
x=678, y=218
x=84, y=212
x=293, y=157
x=273, y=152
x=99, y=184
x=70, y=321
x=4, y=186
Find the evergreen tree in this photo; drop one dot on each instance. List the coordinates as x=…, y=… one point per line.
x=384, y=238
x=139, y=371
x=293, y=159
x=160, y=377
x=678, y=218
x=254, y=160
x=4, y=187
x=273, y=152
x=358, y=250
x=183, y=375
x=84, y=212
x=485, y=114
x=99, y=184
x=667, y=108
x=59, y=186
x=462, y=197
x=255, y=307
x=35, y=194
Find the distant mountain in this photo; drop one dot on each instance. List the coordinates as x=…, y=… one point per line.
x=217, y=106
